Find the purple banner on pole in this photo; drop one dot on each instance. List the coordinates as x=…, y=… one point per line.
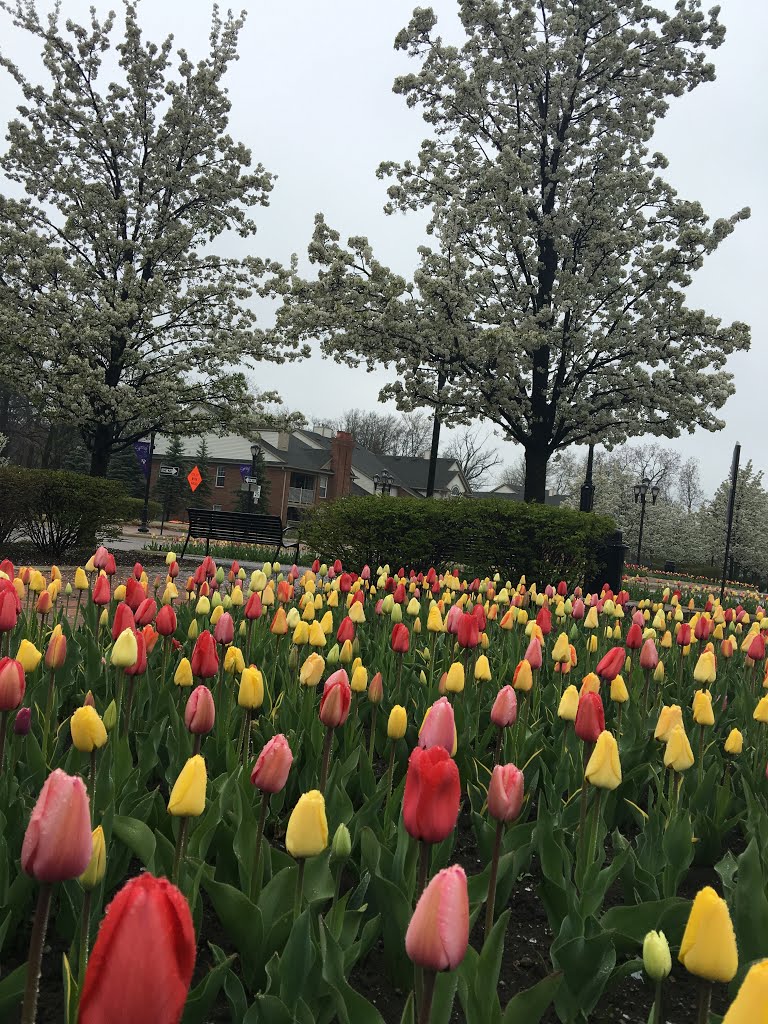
x=245, y=470
x=142, y=449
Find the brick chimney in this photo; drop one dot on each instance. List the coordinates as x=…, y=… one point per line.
x=341, y=464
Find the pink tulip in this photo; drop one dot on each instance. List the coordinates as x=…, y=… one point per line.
x=577, y=612
x=200, y=712
x=438, y=934
x=649, y=656
x=504, y=710
x=452, y=619
x=533, y=655
x=12, y=684
x=57, y=843
x=336, y=700
x=224, y=630
x=101, y=557
x=439, y=728
x=272, y=765
x=505, y=792
x=638, y=620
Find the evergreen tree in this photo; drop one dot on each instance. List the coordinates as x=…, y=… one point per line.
x=172, y=491
x=125, y=467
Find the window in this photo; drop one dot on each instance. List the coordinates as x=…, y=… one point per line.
x=323, y=487
x=303, y=480
x=217, y=508
x=220, y=473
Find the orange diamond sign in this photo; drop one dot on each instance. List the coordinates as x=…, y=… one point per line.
x=194, y=479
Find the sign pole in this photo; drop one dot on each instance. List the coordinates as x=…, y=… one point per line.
x=731, y=506
x=144, y=528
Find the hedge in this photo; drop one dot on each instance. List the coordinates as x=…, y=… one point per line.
x=58, y=510
x=481, y=536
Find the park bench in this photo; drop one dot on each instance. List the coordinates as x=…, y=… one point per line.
x=237, y=527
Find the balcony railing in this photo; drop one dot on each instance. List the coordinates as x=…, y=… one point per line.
x=301, y=496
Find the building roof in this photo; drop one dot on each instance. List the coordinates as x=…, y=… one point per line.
x=412, y=472
x=507, y=495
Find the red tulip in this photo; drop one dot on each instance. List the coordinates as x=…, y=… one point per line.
x=649, y=656
x=22, y=723
x=57, y=843
x=273, y=764
x=438, y=933
x=634, y=639
x=139, y=667
x=590, y=717
x=438, y=728
x=757, y=648
x=562, y=588
x=611, y=664
x=468, y=632
x=205, y=660
x=337, y=566
x=400, y=638
x=399, y=593
x=142, y=961
x=376, y=689
x=7, y=567
x=479, y=613
x=9, y=606
x=101, y=592
x=284, y=591
x=703, y=628
x=134, y=593
x=683, y=634
x=44, y=603
x=432, y=795
x=56, y=652
x=533, y=654
x=336, y=699
x=166, y=621
x=544, y=620
x=504, y=710
x=200, y=712
x=316, y=565
x=12, y=684
x=124, y=618
x=578, y=610
x=146, y=612
x=346, y=630
x=173, y=570
x=209, y=567
x=224, y=630
x=345, y=583
x=505, y=793
x=253, y=607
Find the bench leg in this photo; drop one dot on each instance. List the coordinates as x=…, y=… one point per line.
x=186, y=541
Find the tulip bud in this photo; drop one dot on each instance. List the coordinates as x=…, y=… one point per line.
x=341, y=847
x=397, y=723
x=272, y=765
x=22, y=723
x=110, y=716
x=94, y=873
x=376, y=689
x=505, y=792
x=657, y=960
x=438, y=933
x=200, y=712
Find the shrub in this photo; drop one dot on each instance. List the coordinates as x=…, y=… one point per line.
x=59, y=510
x=481, y=535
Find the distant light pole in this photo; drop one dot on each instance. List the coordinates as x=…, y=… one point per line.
x=588, y=488
x=384, y=481
x=254, y=453
x=641, y=490
x=144, y=527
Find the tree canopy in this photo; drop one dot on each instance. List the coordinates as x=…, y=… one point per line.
x=552, y=301
x=115, y=308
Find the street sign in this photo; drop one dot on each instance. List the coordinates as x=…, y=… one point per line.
x=251, y=480
x=194, y=478
x=256, y=494
x=169, y=471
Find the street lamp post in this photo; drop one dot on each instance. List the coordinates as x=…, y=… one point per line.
x=587, y=501
x=641, y=490
x=384, y=482
x=254, y=453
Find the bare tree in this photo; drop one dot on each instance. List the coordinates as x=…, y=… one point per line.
x=564, y=472
x=415, y=432
x=689, y=490
x=468, y=448
x=659, y=464
x=377, y=432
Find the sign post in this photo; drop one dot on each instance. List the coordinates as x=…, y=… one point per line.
x=145, y=452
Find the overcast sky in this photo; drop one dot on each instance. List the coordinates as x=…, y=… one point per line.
x=312, y=98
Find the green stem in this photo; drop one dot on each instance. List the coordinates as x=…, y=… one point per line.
x=327, y=743
x=595, y=824
x=259, y=837
x=3, y=730
x=491, y=903
x=179, y=854
x=247, y=738
x=85, y=927
x=299, y=888
x=373, y=734
x=705, y=996
x=92, y=784
x=428, y=991
x=499, y=741
x=48, y=713
x=36, y=941
x=658, y=1009
x=421, y=879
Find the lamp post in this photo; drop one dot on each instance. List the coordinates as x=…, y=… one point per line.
x=254, y=453
x=587, y=501
x=641, y=490
x=384, y=482
x=144, y=528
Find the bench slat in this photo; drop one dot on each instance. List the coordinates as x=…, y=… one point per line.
x=243, y=527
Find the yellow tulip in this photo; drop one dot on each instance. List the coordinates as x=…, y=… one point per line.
x=301, y=633
x=435, y=622
x=482, y=669
x=311, y=672
x=81, y=580
x=188, y=793
x=307, y=833
x=760, y=714
x=454, y=682
x=356, y=613
x=619, y=692
x=708, y=949
x=657, y=960
x=751, y=1003
x=569, y=704
x=87, y=729
x=734, y=744
x=194, y=630
x=125, y=651
x=705, y=671
x=678, y=754
x=561, y=652
x=183, y=674
x=250, y=693
x=397, y=723
x=28, y=656
x=316, y=635
x=604, y=767
x=97, y=865
x=702, y=708
x=590, y=683
x=592, y=644
x=233, y=660
x=359, y=680
x=669, y=717
x=203, y=607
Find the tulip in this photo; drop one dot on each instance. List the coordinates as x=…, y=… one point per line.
x=397, y=723
x=482, y=669
x=432, y=795
x=611, y=664
x=702, y=708
x=224, y=631
x=166, y=621
x=124, y=650
x=678, y=754
x=187, y=798
x=101, y=592
x=376, y=689
x=94, y=873
x=438, y=933
x=311, y=671
x=534, y=655
x=250, y=694
x=22, y=723
x=87, y=729
x=454, y=682
x=749, y=1006
x=522, y=678
x=336, y=699
x=505, y=793
x=504, y=710
x=400, y=640
x=760, y=714
x=604, y=767
x=307, y=832
x=12, y=688
x=708, y=949
x=205, y=660
x=619, y=693
x=57, y=842
x=734, y=743
x=569, y=704
x=148, y=932
x=9, y=607
x=200, y=713
x=183, y=674
x=28, y=656
x=657, y=959
x=272, y=766
x=438, y=727
x=591, y=683
x=359, y=681
x=669, y=717
x=590, y=718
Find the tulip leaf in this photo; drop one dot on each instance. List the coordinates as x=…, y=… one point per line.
x=351, y=1007
x=444, y=997
x=489, y=962
x=409, y=1014
x=12, y=991
x=268, y=1009
x=750, y=906
x=202, y=997
x=137, y=836
x=529, y=1007
x=395, y=910
x=296, y=960
x=241, y=921
x=631, y=923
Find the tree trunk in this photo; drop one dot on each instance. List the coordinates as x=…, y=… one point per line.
x=536, y=459
x=102, y=450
